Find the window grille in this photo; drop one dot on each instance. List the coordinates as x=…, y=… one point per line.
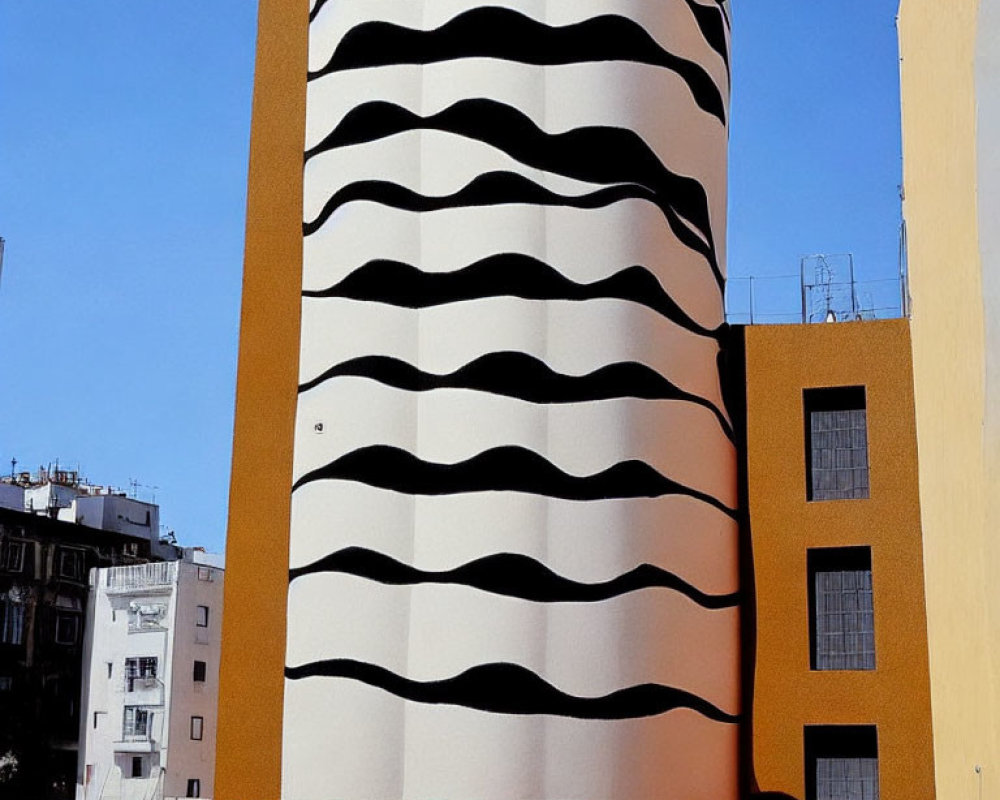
x=846, y=779
x=200, y=669
x=839, y=455
x=845, y=620
x=841, y=762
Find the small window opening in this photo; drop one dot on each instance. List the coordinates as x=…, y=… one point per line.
x=836, y=443
x=841, y=762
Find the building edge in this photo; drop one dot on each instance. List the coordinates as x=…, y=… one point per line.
x=248, y=765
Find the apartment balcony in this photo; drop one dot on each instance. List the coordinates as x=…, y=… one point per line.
x=146, y=692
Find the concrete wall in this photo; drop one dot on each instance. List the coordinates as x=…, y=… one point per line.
x=196, y=586
x=11, y=497
x=782, y=361
x=950, y=118
x=568, y=217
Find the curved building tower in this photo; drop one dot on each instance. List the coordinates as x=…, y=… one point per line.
x=512, y=547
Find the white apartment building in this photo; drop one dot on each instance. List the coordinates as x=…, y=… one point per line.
x=150, y=680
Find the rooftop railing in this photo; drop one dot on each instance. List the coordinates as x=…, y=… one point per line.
x=824, y=290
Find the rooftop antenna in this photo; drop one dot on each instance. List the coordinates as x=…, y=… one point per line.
x=1, y=257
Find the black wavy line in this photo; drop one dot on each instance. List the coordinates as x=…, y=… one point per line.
x=502, y=688
x=713, y=23
x=511, y=469
x=524, y=377
x=509, y=35
x=316, y=9
x=503, y=274
x=512, y=575
x=488, y=189
x=597, y=154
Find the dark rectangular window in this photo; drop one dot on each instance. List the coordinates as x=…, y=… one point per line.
x=194, y=787
x=841, y=608
x=12, y=556
x=201, y=616
x=841, y=762
x=836, y=443
x=67, y=628
x=199, y=671
x=70, y=564
x=136, y=766
x=197, y=728
x=11, y=618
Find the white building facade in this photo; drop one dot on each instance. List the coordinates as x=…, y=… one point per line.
x=150, y=681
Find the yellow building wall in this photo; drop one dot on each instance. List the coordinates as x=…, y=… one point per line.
x=781, y=361
x=251, y=679
x=958, y=480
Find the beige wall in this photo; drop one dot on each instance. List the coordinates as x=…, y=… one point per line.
x=958, y=487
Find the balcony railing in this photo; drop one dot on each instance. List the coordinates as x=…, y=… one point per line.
x=141, y=576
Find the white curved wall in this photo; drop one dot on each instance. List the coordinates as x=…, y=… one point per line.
x=514, y=559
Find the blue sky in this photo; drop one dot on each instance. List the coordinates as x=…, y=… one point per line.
x=124, y=130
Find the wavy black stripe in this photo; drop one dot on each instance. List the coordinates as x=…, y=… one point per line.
x=513, y=689
x=524, y=377
x=512, y=575
x=501, y=469
x=598, y=154
x=488, y=189
x=713, y=23
x=316, y=9
x=509, y=35
x=503, y=274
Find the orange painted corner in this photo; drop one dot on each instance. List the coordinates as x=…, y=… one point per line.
x=248, y=763
x=781, y=361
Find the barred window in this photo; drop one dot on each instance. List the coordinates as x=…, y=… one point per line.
x=836, y=443
x=842, y=762
x=841, y=609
